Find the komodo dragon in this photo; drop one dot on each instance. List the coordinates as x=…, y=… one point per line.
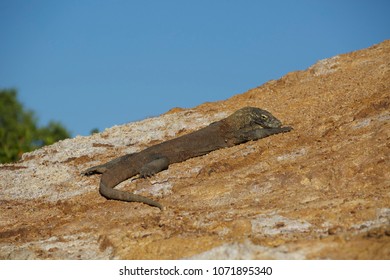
x=244, y=125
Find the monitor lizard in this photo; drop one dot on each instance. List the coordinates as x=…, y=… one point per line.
x=246, y=124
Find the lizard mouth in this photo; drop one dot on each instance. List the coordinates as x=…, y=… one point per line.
x=274, y=124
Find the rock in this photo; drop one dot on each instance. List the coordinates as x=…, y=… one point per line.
x=321, y=191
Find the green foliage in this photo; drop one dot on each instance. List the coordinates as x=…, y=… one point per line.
x=94, y=131
x=19, y=132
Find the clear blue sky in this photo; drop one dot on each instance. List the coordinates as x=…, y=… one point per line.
x=94, y=64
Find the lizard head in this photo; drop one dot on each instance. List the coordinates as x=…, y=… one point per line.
x=249, y=116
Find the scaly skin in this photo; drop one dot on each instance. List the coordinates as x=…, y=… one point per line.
x=244, y=125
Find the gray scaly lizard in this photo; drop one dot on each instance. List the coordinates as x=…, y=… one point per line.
x=244, y=125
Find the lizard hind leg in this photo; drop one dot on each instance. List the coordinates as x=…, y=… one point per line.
x=99, y=169
x=154, y=166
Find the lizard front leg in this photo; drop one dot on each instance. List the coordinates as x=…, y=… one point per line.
x=251, y=133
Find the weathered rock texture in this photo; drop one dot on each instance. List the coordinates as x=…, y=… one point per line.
x=320, y=191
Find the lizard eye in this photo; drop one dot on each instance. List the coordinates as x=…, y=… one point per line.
x=263, y=117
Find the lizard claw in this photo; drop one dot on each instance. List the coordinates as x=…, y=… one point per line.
x=146, y=172
x=100, y=169
x=287, y=128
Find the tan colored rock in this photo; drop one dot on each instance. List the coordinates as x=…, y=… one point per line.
x=320, y=191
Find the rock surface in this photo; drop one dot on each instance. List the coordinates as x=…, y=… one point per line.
x=321, y=191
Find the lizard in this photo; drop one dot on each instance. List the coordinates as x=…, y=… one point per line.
x=246, y=124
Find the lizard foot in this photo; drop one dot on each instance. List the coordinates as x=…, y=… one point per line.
x=99, y=169
x=153, y=167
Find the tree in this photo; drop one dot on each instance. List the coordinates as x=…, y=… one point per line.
x=94, y=131
x=19, y=132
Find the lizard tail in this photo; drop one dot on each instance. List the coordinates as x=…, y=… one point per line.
x=111, y=193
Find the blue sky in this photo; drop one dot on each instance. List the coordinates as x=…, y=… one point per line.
x=95, y=64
